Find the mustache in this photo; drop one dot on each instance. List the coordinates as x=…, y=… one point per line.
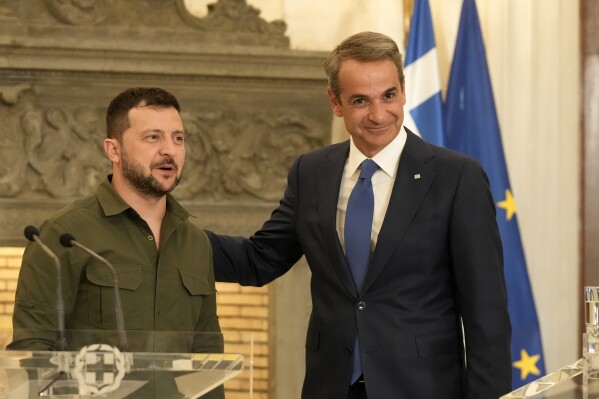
x=165, y=163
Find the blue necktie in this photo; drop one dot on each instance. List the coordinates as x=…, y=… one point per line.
x=357, y=232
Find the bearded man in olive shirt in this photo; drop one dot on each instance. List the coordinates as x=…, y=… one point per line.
x=163, y=261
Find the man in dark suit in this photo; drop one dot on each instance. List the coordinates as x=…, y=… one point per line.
x=427, y=316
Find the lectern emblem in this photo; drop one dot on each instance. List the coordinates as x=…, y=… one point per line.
x=99, y=369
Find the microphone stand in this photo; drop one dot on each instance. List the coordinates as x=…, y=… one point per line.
x=32, y=234
x=68, y=240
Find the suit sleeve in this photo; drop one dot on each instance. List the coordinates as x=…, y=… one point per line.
x=477, y=258
x=269, y=253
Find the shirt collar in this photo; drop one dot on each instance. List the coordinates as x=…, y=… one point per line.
x=112, y=203
x=387, y=159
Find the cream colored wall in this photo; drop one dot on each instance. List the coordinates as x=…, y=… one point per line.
x=533, y=55
x=320, y=25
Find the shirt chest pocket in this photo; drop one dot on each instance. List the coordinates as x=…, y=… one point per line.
x=101, y=295
x=198, y=290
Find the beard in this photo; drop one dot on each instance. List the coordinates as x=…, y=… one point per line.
x=147, y=184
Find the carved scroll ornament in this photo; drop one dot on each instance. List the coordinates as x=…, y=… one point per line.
x=232, y=16
x=79, y=12
x=224, y=16
x=231, y=155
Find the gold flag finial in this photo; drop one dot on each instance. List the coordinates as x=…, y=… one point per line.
x=408, y=10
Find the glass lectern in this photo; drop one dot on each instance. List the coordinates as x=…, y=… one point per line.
x=579, y=380
x=91, y=365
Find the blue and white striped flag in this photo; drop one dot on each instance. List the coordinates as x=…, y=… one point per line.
x=423, y=82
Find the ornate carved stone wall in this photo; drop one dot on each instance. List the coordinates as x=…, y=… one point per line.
x=250, y=106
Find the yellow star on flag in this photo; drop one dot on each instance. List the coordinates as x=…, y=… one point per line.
x=527, y=364
x=509, y=204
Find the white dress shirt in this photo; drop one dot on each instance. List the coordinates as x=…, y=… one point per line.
x=382, y=183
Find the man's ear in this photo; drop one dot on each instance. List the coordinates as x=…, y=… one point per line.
x=112, y=148
x=335, y=104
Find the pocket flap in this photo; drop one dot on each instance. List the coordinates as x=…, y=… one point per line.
x=196, y=285
x=128, y=277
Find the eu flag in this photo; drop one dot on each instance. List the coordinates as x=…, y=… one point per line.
x=423, y=82
x=472, y=128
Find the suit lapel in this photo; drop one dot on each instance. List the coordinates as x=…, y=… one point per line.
x=412, y=182
x=329, y=183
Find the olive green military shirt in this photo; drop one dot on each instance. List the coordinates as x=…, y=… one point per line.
x=168, y=293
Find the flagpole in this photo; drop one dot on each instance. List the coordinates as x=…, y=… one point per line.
x=408, y=10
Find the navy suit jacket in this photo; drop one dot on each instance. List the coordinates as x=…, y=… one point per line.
x=437, y=265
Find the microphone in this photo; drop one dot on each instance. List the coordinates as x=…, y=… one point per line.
x=67, y=240
x=32, y=234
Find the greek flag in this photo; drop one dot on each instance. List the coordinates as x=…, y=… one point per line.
x=423, y=83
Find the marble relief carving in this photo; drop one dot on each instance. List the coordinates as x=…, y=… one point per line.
x=233, y=16
x=50, y=152
x=232, y=155
x=57, y=152
x=222, y=16
x=79, y=12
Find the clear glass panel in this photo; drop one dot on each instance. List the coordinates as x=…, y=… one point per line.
x=92, y=364
x=565, y=381
x=578, y=380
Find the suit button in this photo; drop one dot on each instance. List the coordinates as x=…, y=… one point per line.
x=348, y=351
x=361, y=305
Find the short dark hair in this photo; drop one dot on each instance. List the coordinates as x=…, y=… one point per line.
x=363, y=47
x=117, y=118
